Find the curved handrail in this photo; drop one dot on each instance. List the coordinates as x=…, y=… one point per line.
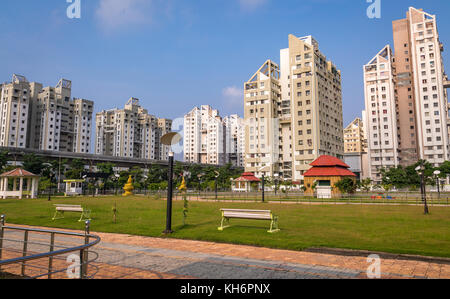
x=82, y=248
x=52, y=253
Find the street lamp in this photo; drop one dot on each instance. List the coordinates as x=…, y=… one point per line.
x=169, y=140
x=263, y=182
x=199, y=176
x=145, y=184
x=276, y=175
x=84, y=184
x=421, y=170
x=437, y=173
x=51, y=179
x=215, y=186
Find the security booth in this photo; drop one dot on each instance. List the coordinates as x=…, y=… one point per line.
x=74, y=187
x=19, y=183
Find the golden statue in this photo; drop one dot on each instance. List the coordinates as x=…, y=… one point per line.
x=128, y=187
x=183, y=185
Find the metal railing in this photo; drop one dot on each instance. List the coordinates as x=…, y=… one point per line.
x=52, y=255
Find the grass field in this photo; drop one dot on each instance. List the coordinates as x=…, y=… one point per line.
x=393, y=229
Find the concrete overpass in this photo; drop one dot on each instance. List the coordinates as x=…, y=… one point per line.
x=447, y=84
x=17, y=154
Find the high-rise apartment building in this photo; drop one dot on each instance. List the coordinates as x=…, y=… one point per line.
x=420, y=101
x=211, y=139
x=354, y=137
x=82, y=111
x=235, y=140
x=379, y=87
x=14, y=112
x=130, y=132
x=262, y=97
x=44, y=118
x=293, y=112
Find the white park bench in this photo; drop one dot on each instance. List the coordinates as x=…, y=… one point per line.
x=60, y=209
x=228, y=214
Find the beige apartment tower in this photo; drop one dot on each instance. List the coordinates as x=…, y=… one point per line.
x=379, y=88
x=131, y=132
x=293, y=113
x=262, y=97
x=44, y=118
x=354, y=137
x=420, y=122
x=422, y=98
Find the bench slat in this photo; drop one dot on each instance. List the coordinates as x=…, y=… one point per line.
x=247, y=214
x=246, y=211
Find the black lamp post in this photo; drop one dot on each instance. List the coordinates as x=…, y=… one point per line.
x=116, y=182
x=276, y=182
x=199, y=176
x=215, y=184
x=263, y=186
x=169, y=197
x=51, y=180
x=50, y=191
x=437, y=173
x=170, y=139
x=84, y=184
x=421, y=170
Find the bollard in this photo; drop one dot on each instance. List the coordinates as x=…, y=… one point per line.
x=2, y=224
x=84, y=259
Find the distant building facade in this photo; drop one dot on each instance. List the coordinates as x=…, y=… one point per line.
x=293, y=112
x=44, y=118
x=211, y=139
x=406, y=97
x=131, y=132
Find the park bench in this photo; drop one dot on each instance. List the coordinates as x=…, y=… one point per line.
x=60, y=209
x=228, y=214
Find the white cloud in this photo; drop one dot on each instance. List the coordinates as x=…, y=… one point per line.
x=250, y=5
x=113, y=14
x=233, y=96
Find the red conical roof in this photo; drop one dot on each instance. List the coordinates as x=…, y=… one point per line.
x=328, y=161
x=18, y=172
x=329, y=166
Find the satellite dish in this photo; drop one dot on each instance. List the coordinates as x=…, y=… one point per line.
x=171, y=138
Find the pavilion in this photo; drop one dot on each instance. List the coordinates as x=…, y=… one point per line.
x=326, y=171
x=245, y=183
x=19, y=183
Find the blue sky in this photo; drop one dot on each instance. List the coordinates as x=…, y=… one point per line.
x=176, y=54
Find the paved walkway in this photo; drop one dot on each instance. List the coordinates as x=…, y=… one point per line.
x=132, y=257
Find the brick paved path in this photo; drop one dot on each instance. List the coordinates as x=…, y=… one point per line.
x=131, y=257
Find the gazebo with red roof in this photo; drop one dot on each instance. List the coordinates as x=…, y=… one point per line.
x=19, y=183
x=326, y=171
x=245, y=183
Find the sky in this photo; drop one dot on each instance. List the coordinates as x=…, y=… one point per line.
x=177, y=54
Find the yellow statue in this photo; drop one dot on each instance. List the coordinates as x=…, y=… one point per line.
x=128, y=187
x=183, y=185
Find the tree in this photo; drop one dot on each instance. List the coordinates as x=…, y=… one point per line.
x=445, y=170
x=365, y=184
x=107, y=169
x=76, y=168
x=3, y=160
x=346, y=185
x=33, y=164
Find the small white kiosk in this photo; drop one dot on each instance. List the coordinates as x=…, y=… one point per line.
x=19, y=183
x=74, y=187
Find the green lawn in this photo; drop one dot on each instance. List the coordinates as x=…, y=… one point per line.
x=394, y=229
